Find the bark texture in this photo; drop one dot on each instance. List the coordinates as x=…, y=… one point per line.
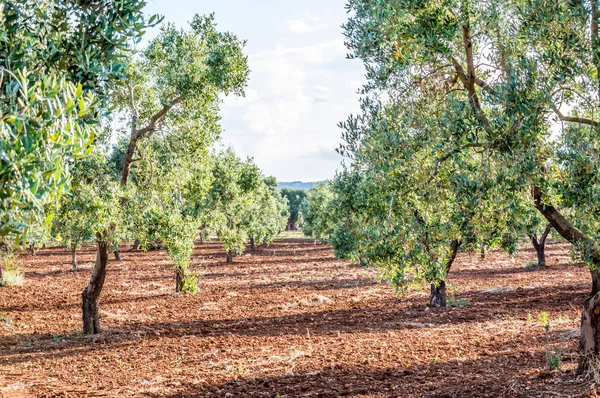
x=179, y=279
x=91, y=294
x=437, y=297
x=540, y=245
x=74, y=258
x=230, y=256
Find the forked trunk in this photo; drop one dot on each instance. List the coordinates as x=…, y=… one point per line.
x=74, y=258
x=91, y=294
x=252, y=243
x=540, y=245
x=230, y=256
x=437, y=297
x=179, y=279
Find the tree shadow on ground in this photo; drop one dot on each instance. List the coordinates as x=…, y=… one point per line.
x=523, y=375
x=317, y=285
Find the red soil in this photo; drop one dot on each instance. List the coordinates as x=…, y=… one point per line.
x=290, y=321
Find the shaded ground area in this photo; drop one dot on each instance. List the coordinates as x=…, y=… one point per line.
x=290, y=321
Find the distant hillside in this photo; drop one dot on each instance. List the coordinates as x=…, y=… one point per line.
x=297, y=184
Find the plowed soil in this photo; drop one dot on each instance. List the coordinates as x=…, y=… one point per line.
x=290, y=320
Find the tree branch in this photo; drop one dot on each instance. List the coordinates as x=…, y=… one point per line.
x=580, y=120
x=151, y=127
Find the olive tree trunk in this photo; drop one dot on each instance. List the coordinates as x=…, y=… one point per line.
x=1, y=277
x=437, y=297
x=179, y=279
x=229, y=256
x=74, y=258
x=136, y=245
x=540, y=245
x=589, y=340
x=91, y=294
x=252, y=243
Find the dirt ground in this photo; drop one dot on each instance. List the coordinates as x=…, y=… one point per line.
x=291, y=321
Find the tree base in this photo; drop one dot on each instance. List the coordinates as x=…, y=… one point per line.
x=589, y=347
x=437, y=297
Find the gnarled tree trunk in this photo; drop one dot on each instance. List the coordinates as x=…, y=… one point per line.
x=179, y=279
x=229, y=256
x=540, y=245
x=437, y=297
x=589, y=340
x=91, y=294
x=117, y=255
x=252, y=243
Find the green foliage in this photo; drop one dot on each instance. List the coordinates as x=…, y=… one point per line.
x=77, y=220
x=196, y=64
x=171, y=102
x=54, y=56
x=464, y=94
x=268, y=214
x=235, y=201
x=455, y=128
x=317, y=210
x=42, y=125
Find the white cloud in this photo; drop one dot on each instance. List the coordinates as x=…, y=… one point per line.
x=308, y=24
x=295, y=99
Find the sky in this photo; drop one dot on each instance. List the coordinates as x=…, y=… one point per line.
x=301, y=83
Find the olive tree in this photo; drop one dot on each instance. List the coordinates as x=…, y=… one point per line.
x=267, y=216
x=176, y=83
x=235, y=187
x=316, y=210
x=295, y=198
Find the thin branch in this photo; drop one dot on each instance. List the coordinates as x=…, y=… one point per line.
x=580, y=120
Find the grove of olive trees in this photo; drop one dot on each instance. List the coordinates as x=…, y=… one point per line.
x=477, y=133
